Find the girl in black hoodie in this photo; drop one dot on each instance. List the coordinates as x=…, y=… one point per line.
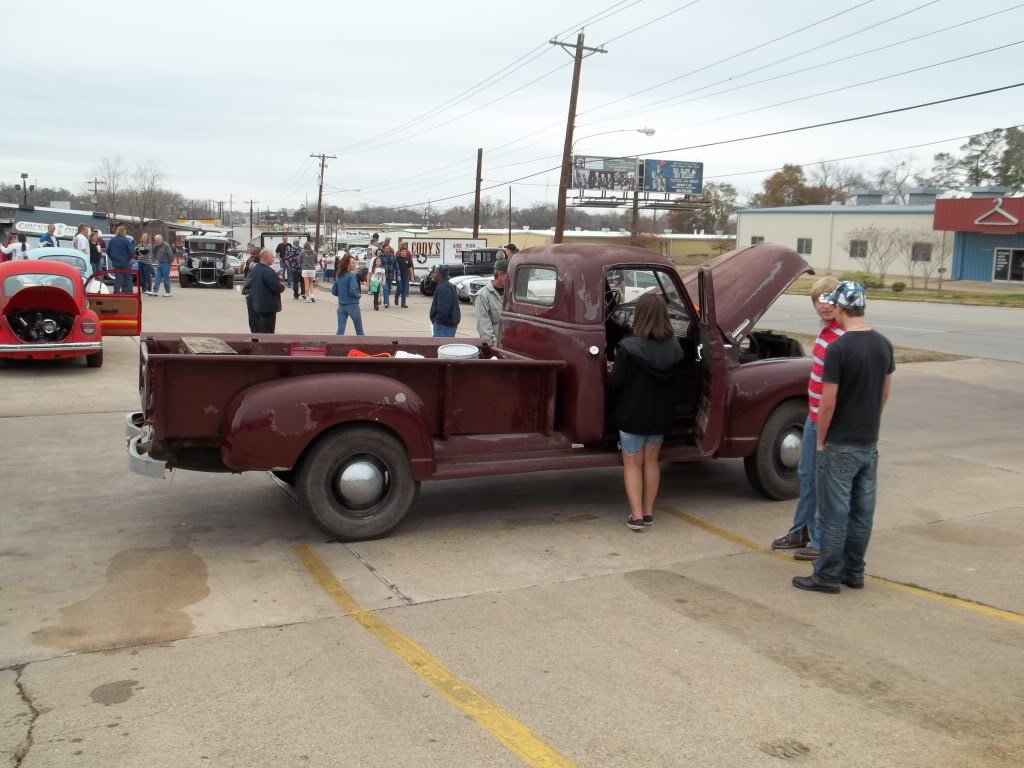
x=644, y=379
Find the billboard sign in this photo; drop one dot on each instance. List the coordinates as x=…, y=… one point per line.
x=673, y=177
x=604, y=173
x=430, y=251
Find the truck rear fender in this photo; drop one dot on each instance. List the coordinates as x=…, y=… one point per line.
x=754, y=391
x=270, y=425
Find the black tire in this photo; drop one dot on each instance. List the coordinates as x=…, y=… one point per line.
x=765, y=469
x=184, y=283
x=95, y=360
x=426, y=288
x=229, y=283
x=335, y=451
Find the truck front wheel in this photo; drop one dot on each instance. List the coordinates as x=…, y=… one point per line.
x=357, y=483
x=772, y=469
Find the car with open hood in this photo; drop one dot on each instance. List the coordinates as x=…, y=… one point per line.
x=357, y=423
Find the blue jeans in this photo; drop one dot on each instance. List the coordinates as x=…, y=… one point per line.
x=345, y=311
x=807, y=505
x=146, y=276
x=122, y=282
x=402, y=290
x=847, y=484
x=163, y=275
x=389, y=278
x=444, y=331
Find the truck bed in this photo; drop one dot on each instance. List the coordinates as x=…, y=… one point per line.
x=190, y=386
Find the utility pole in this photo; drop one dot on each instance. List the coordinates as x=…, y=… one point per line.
x=320, y=197
x=476, y=200
x=251, y=203
x=220, y=211
x=636, y=216
x=563, y=183
x=510, y=213
x=96, y=189
x=231, y=210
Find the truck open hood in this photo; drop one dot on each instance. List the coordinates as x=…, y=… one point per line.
x=747, y=282
x=42, y=298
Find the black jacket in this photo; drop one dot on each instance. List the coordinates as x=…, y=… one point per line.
x=444, y=309
x=265, y=289
x=645, y=377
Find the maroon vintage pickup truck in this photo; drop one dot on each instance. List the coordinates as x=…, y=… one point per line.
x=357, y=435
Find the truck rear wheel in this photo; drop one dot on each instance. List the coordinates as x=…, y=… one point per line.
x=357, y=483
x=772, y=469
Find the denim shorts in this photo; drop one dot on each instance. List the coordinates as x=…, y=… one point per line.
x=635, y=443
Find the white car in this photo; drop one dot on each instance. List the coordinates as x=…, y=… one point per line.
x=468, y=289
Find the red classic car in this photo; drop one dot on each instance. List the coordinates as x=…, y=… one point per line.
x=48, y=312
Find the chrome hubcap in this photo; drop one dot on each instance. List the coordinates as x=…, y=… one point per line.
x=789, y=450
x=360, y=483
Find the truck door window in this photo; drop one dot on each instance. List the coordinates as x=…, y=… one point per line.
x=536, y=285
x=623, y=289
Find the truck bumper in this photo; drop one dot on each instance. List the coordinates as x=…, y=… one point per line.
x=138, y=437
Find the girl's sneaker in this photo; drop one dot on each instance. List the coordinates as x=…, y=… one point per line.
x=634, y=525
x=648, y=519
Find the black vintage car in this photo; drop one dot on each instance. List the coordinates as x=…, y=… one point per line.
x=478, y=261
x=206, y=262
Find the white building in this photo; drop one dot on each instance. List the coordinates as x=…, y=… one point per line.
x=839, y=238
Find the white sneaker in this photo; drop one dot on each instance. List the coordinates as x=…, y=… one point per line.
x=167, y=295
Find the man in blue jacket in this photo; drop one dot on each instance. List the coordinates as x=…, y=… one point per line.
x=120, y=252
x=265, y=289
x=444, y=309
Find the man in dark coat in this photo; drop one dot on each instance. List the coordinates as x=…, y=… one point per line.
x=265, y=292
x=445, y=313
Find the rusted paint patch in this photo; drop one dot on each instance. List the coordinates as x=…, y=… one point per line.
x=294, y=419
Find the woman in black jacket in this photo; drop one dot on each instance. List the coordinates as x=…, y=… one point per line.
x=644, y=378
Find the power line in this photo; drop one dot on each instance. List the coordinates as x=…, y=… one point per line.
x=672, y=101
x=457, y=118
x=488, y=81
x=734, y=56
x=841, y=121
x=851, y=157
x=652, y=21
x=848, y=87
x=813, y=126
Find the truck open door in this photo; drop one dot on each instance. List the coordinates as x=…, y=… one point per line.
x=710, y=419
x=120, y=313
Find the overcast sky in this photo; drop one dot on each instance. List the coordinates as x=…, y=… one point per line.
x=231, y=97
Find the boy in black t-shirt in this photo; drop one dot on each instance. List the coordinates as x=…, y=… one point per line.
x=857, y=377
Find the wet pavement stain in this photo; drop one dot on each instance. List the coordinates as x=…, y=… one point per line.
x=117, y=692
x=143, y=601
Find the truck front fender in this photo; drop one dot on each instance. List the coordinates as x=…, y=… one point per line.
x=269, y=425
x=753, y=391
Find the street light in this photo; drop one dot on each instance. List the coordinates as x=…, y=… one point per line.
x=645, y=131
x=25, y=189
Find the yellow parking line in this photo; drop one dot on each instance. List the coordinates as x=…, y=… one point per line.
x=959, y=602
x=492, y=718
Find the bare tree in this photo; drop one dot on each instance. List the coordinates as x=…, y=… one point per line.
x=143, y=195
x=111, y=171
x=894, y=178
x=925, y=254
x=840, y=180
x=884, y=248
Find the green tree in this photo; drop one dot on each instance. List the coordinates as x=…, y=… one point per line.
x=1011, y=165
x=717, y=217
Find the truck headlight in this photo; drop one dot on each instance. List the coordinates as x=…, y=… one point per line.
x=194, y=263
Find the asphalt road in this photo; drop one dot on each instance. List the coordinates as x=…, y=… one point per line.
x=995, y=333
x=200, y=621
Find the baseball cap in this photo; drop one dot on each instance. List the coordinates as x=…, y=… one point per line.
x=847, y=294
x=501, y=265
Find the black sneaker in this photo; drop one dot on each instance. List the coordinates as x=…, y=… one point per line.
x=634, y=525
x=648, y=519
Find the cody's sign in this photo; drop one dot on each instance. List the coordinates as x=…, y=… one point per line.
x=428, y=250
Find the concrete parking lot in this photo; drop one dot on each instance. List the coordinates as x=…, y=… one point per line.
x=200, y=620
